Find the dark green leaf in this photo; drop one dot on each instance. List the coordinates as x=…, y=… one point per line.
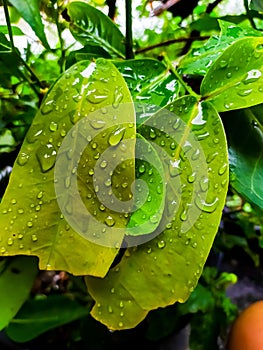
x=16, y=280
x=30, y=11
x=39, y=315
x=256, y=5
x=9, y=61
x=88, y=52
x=81, y=97
x=245, y=141
x=199, y=60
x=91, y=26
x=191, y=144
x=151, y=84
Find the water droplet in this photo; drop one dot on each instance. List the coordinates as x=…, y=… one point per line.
x=191, y=178
x=223, y=169
x=34, y=238
x=13, y=201
x=10, y=241
x=46, y=156
x=244, y=93
x=29, y=224
x=116, y=136
x=96, y=97
x=141, y=168
x=152, y=134
x=205, y=206
x=109, y=221
x=112, y=290
x=121, y=304
x=252, y=76
x=228, y=75
x=110, y=309
x=53, y=126
x=97, y=124
x=176, y=124
x=103, y=164
x=149, y=250
x=3, y=250
x=22, y=158
x=161, y=244
x=48, y=107
x=40, y=195
x=20, y=236
x=174, y=168
x=118, y=96
x=223, y=63
x=20, y=211
x=183, y=215
x=120, y=324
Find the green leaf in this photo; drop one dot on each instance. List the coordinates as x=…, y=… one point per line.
x=199, y=60
x=192, y=146
x=7, y=141
x=9, y=61
x=15, y=30
x=77, y=105
x=90, y=26
x=30, y=11
x=151, y=84
x=245, y=141
x=16, y=280
x=39, y=315
x=88, y=52
x=235, y=79
x=148, y=207
x=256, y=5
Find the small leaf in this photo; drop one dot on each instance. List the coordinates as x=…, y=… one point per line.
x=15, y=30
x=245, y=141
x=235, y=79
x=88, y=52
x=90, y=26
x=199, y=60
x=51, y=160
x=192, y=146
x=30, y=11
x=39, y=315
x=16, y=280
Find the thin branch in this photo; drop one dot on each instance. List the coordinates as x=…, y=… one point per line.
x=9, y=27
x=129, y=41
x=250, y=17
x=112, y=8
x=170, y=42
x=211, y=6
x=61, y=41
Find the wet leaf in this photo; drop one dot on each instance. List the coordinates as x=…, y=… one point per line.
x=235, y=79
x=151, y=84
x=39, y=315
x=149, y=202
x=90, y=26
x=30, y=12
x=16, y=281
x=199, y=60
x=245, y=141
x=58, y=149
x=192, y=146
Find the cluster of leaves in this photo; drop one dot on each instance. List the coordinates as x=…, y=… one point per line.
x=226, y=73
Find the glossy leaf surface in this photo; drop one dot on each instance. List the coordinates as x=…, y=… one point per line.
x=199, y=60
x=235, y=79
x=39, y=315
x=90, y=26
x=29, y=10
x=31, y=220
x=192, y=146
x=245, y=141
x=151, y=84
x=16, y=280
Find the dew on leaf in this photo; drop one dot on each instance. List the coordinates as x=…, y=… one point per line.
x=34, y=238
x=46, y=156
x=222, y=169
x=110, y=309
x=118, y=96
x=10, y=241
x=109, y=221
x=53, y=126
x=161, y=244
x=116, y=136
x=29, y=224
x=97, y=124
x=22, y=158
x=208, y=207
x=191, y=178
x=48, y=107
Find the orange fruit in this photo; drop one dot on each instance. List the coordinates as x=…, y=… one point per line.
x=247, y=330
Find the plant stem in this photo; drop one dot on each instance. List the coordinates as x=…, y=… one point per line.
x=169, y=42
x=129, y=41
x=9, y=27
x=250, y=17
x=61, y=41
x=180, y=79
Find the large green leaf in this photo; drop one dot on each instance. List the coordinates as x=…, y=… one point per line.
x=39, y=315
x=16, y=280
x=90, y=26
x=30, y=11
x=245, y=140
x=31, y=219
x=151, y=84
x=190, y=141
x=199, y=60
x=235, y=79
